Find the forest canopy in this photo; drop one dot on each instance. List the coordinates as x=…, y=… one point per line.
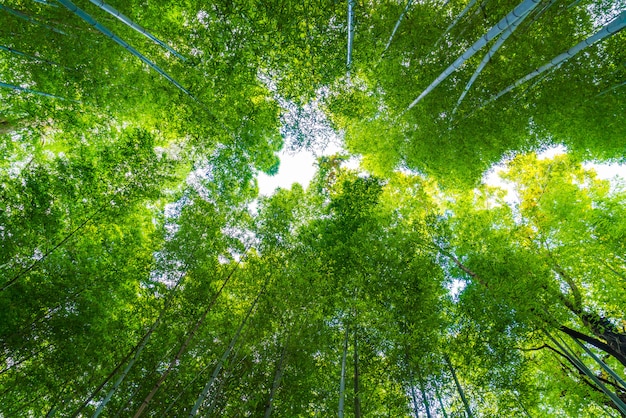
x=141, y=274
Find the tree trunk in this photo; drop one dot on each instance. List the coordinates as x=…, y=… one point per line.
x=525, y=7
x=275, y=384
x=357, y=395
x=458, y=387
x=6, y=126
x=424, y=398
x=342, y=383
x=220, y=364
x=182, y=349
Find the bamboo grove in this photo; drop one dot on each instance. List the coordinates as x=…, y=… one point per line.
x=142, y=275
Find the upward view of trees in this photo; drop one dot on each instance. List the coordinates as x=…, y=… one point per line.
x=141, y=274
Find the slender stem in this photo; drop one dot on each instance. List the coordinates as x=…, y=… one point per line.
x=37, y=92
x=127, y=21
x=414, y=396
x=458, y=387
x=29, y=56
x=186, y=343
x=220, y=364
x=612, y=28
x=58, y=245
x=105, y=31
x=139, y=348
x=443, y=409
x=582, y=367
x=342, y=383
x=275, y=384
x=525, y=7
x=395, y=28
x=27, y=18
x=350, y=32
x=595, y=342
x=455, y=21
x=601, y=364
x=494, y=48
x=357, y=394
x=425, y=398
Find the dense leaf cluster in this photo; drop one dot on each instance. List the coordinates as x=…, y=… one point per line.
x=141, y=275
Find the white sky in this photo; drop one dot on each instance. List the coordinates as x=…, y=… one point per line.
x=297, y=168
x=605, y=171
x=300, y=167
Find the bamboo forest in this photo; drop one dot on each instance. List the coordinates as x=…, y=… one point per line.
x=143, y=274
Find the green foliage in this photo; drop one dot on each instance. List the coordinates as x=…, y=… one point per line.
x=137, y=278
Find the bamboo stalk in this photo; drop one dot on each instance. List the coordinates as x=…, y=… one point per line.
x=395, y=28
x=621, y=406
x=39, y=93
x=127, y=21
x=220, y=364
x=494, y=48
x=525, y=7
x=611, y=28
x=27, y=18
x=105, y=31
x=342, y=382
